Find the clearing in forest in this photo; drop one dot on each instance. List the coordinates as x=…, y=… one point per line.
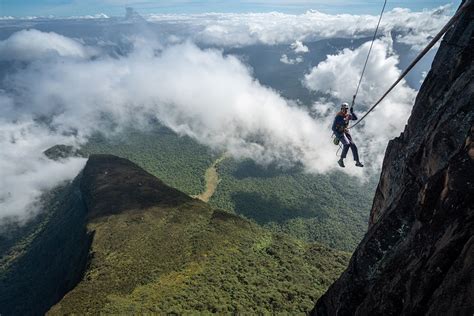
x=211, y=178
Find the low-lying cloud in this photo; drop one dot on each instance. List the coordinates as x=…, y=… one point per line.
x=25, y=172
x=32, y=44
x=291, y=61
x=299, y=47
x=200, y=93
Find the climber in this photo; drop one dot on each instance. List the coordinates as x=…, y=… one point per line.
x=341, y=131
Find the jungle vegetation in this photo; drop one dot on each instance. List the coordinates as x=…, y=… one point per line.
x=331, y=209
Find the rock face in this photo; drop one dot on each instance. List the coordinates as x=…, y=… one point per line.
x=418, y=255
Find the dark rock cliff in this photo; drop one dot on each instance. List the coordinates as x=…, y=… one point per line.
x=418, y=255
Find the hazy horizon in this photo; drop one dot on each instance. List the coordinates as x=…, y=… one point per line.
x=115, y=8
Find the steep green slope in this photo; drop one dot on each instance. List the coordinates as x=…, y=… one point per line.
x=156, y=249
x=44, y=259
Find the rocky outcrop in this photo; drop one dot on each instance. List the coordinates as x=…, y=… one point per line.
x=417, y=257
x=59, y=152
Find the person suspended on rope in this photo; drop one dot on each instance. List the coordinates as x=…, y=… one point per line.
x=341, y=131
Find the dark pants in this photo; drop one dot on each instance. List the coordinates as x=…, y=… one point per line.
x=347, y=141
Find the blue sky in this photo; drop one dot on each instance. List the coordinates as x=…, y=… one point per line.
x=117, y=7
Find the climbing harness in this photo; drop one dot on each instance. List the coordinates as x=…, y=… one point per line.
x=368, y=55
x=338, y=150
x=420, y=55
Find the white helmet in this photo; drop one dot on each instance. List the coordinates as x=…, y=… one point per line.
x=344, y=105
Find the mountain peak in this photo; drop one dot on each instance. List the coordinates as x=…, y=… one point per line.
x=111, y=185
x=155, y=249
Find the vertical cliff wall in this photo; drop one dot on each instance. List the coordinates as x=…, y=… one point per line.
x=418, y=255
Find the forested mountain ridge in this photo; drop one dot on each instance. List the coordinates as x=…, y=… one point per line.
x=416, y=257
x=120, y=239
x=155, y=249
x=331, y=209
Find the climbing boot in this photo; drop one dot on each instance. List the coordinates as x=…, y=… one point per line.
x=341, y=163
x=359, y=164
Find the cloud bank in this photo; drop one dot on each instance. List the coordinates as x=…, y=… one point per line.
x=200, y=93
x=32, y=44
x=233, y=29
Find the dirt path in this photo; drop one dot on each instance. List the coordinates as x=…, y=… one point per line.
x=212, y=180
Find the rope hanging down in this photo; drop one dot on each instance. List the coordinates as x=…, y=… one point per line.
x=368, y=55
x=420, y=55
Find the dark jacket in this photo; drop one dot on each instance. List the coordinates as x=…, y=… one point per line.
x=341, y=122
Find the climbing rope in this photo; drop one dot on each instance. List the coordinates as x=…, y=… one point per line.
x=420, y=55
x=338, y=150
x=338, y=143
x=368, y=55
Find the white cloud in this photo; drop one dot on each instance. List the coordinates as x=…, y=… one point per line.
x=90, y=17
x=200, y=93
x=32, y=44
x=299, y=47
x=291, y=61
x=232, y=29
x=338, y=76
x=205, y=95
x=418, y=30
x=416, y=40
x=25, y=173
